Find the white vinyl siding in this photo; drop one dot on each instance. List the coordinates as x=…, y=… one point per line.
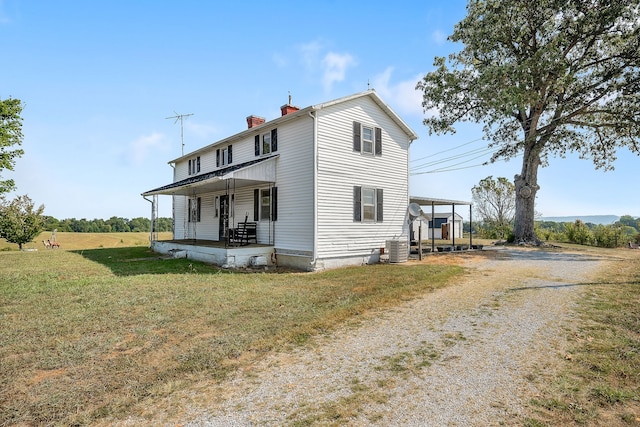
x=294, y=226
x=341, y=168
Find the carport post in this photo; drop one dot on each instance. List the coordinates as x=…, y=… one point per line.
x=453, y=235
x=470, y=228
x=433, y=228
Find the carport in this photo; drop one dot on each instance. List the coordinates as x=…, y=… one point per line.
x=432, y=202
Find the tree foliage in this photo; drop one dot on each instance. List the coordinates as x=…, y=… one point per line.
x=494, y=201
x=19, y=221
x=545, y=78
x=10, y=136
x=113, y=224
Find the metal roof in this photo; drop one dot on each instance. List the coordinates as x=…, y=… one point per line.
x=209, y=180
x=429, y=201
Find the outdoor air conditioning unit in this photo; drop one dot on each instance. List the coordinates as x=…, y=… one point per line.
x=398, y=250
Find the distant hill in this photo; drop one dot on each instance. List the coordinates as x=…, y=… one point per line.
x=593, y=219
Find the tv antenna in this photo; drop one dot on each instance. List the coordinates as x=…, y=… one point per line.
x=180, y=117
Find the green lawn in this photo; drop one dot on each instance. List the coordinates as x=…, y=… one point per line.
x=86, y=335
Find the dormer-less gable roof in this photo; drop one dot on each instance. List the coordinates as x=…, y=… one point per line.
x=304, y=112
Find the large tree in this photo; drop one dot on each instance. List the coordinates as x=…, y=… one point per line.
x=20, y=221
x=10, y=136
x=545, y=78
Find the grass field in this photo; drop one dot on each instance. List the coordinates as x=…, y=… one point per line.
x=101, y=328
x=73, y=241
x=89, y=334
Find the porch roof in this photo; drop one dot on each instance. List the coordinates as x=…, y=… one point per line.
x=247, y=173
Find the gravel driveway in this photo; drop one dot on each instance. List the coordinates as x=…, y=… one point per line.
x=465, y=355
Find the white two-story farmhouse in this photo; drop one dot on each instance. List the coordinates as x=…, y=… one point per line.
x=319, y=187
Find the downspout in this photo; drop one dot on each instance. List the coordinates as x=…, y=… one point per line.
x=315, y=188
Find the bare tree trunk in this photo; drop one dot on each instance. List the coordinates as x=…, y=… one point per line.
x=526, y=188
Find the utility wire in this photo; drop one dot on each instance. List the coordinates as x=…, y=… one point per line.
x=448, y=169
x=481, y=151
x=444, y=151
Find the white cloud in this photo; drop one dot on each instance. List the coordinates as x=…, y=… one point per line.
x=280, y=60
x=310, y=52
x=200, y=130
x=335, y=67
x=438, y=37
x=402, y=96
x=142, y=147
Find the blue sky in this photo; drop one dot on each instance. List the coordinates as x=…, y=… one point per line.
x=99, y=78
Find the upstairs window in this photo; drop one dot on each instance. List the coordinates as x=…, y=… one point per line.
x=224, y=156
x=194, y=165
x=367, y=139
x=266, y=143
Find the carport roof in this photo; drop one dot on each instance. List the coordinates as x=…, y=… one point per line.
x=429, y=201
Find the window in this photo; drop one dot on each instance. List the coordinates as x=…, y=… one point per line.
x=265, y=204
x=367, y=139
x=223, y=156
x=367, y=204
x=266, y=143
x=194, y=165
x=194, y=209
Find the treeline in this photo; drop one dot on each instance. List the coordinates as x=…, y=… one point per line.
x=625, y=230
x=111, y=225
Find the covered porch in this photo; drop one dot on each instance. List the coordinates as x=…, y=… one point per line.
x=217, y=217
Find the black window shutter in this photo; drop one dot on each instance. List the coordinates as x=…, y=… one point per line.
x=378, y=149
x=274, y=203
x=356, y=136
x=229, y=155
x=198, y=164
x=189, y=206
x=274, y=140
x=379, y=205
x=357, y=203
x=256, y=204
x=257, y=145
x=199, y=208
x=189, y=166
x=218, y=157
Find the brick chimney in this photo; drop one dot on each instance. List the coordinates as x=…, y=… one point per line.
x=288, y=108
x=253, y=121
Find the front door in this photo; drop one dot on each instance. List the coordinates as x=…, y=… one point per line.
x=224, y=217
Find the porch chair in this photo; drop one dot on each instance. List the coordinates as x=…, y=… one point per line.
x=246, y=232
